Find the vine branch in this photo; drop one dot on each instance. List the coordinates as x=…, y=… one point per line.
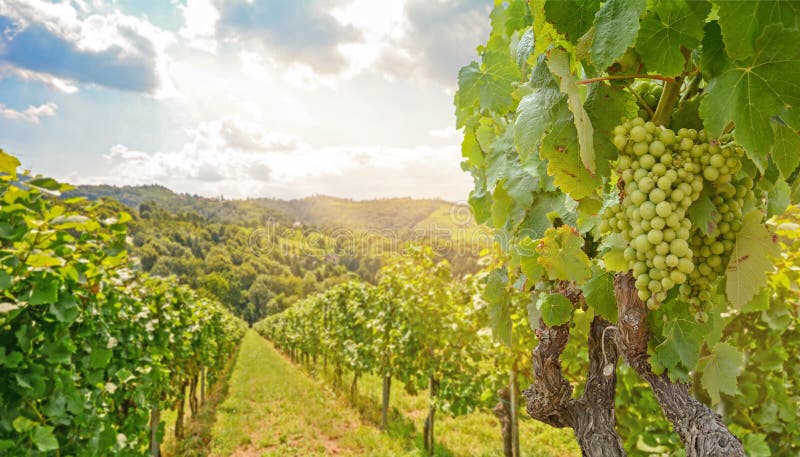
x=615, y=77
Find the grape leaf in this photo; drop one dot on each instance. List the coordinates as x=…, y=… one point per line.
x=743, y=21
x=497, y=298
x=703, y=213
x=713, y=59
x=778, y=198
x=683, y=340
x=599, y=294
x=44, y=292
x=612, y=251
x=529, y=260
x=558, y=63
x=750, y=260
x=538, y=111
x=501, y=207
x=525, y=49
x=488, y=85
x=561, y=256
x=607, y=106
x=755, y=445
x=44, y=439
x=470, y=149
x=8, y=163
x=720, y=371
x=616, y=26
x=665, y=28
x=573, y=18
x=556, y=309
x=760, y=302
x=561, y=150
x=750, y=91
x=785, y=150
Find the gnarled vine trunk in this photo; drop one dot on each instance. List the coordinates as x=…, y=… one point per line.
x=549, y=398
x=701, y=430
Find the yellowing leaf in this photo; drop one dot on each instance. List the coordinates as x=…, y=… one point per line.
x=750, y=260
x=558, y=63
x=561, y=256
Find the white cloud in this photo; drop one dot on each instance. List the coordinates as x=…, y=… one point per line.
x=113, y=50
x=446, y=133
x=57, y=84
x=200, y=24
x=32, y=114
x=233, y=157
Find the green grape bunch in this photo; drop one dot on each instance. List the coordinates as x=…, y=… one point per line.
x=662, y=174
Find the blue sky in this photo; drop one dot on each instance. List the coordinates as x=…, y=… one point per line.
x=283, y=98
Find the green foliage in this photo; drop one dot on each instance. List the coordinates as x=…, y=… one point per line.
x=88, y=346
x=415, y=325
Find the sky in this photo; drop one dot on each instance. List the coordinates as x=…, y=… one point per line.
x=241, y=98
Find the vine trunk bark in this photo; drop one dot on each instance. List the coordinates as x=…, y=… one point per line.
x=702, y=431
x=549, y=398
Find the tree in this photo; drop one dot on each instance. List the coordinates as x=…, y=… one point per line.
x=627, y=153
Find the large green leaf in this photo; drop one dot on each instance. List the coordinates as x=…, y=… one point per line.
x=497, y=299
x=786, y=148
x=750, y=91
x=750, y=259
x=561, y=150
x=537, y=112
x=743, y=21
x=680, y=349
x=488, y=85
x=616, y=26
x=599, y=294
x=559, y=66
x=573, y=18
x=666, y=27
x=556, y=309
x=44, y=439
x=720, y=370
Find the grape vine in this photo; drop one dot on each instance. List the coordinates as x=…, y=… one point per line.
x=628, y=156
x=90, y=350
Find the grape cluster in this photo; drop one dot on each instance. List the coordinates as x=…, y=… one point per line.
x=712, y=250
x=662, y=173
x=649, y=92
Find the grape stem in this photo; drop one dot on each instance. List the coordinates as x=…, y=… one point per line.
x=639, y=76
x=667, y=102
x=642, y=103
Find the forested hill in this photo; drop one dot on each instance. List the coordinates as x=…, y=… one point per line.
x=318, y=211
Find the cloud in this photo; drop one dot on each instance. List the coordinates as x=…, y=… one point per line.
x=32, y=114
x=237, y=134
x=439, y=37
x=200, y=24
x=114, y=50
x=233, y=157
x=293, y=32
x=57, y=84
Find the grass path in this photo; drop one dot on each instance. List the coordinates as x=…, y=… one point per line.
x=275, y=408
